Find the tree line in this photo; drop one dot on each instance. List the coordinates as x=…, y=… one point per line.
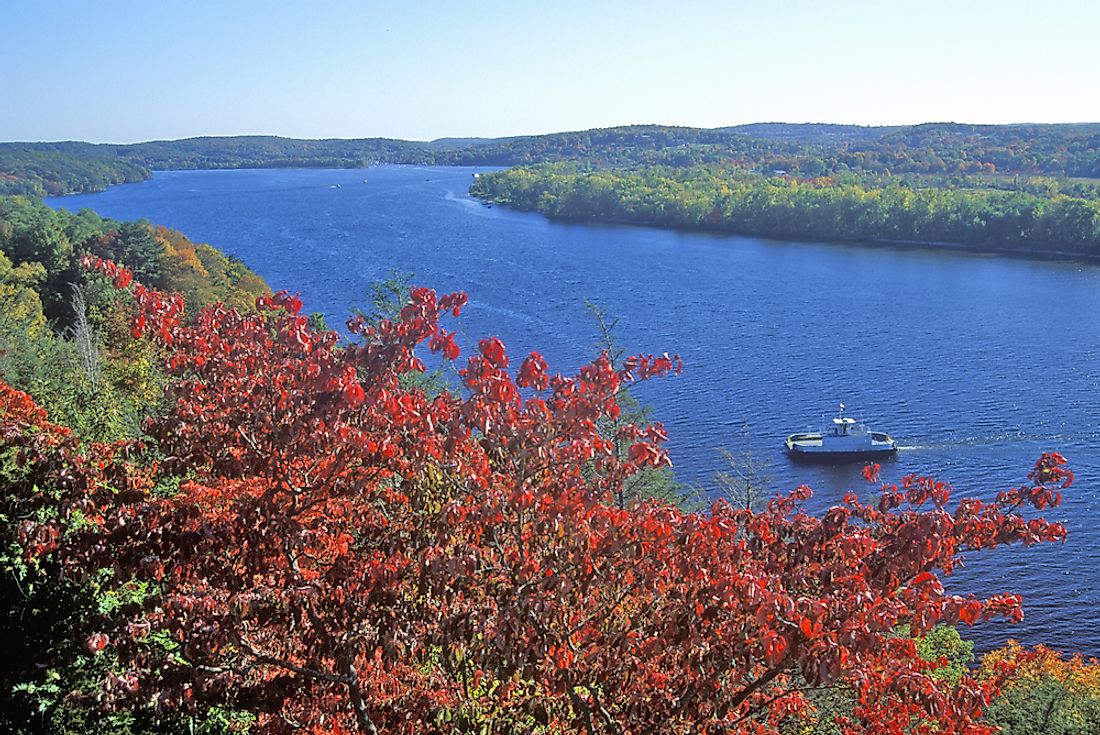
x=1066, y=150
x=62, y=336
x=842, y=208
x=63, y=168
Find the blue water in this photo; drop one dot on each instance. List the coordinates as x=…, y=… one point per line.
x=976, y=363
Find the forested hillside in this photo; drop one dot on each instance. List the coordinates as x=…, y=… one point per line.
x=256, y=151
x=62, y=336
x=62, y=168
x=806, y=150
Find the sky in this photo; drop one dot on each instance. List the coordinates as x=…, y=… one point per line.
x=126, y=71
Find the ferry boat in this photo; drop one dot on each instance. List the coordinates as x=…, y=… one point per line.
x=847, y=440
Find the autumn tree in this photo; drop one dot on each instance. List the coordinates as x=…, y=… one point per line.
x=309, y=538
x=1049, y=694
x=654, y=482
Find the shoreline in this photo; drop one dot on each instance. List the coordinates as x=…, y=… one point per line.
x=1026, y=254
x=1023, y=254
x=257, y=168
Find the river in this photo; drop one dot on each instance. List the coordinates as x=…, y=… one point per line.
x=975, y=363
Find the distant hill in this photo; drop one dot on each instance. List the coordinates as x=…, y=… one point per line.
x=807, y=149
x=456, y=143
x=63, y=168
x=256, y=151
x=809, y=132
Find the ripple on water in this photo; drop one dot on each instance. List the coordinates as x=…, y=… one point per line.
x=935, y=347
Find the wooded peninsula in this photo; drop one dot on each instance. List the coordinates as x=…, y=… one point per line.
x=1032, y=188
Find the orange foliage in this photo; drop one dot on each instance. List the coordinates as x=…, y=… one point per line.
x=203, y=275
x=1074, y=672
x=1049, y=693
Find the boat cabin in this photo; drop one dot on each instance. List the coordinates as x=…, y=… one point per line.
x=846, y=426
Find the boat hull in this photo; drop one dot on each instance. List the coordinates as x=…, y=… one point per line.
x=828, y=448
x=802, y=455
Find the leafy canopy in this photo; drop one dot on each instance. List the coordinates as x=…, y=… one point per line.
x=348, y=553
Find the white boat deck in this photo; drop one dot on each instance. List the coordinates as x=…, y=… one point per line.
x=847, y=438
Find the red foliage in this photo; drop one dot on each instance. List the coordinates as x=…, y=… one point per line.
x=349, y=552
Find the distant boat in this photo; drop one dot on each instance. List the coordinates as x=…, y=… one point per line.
x=847, y=440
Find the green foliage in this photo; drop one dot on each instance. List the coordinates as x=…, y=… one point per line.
x=1037, y=709
x=36, y=619
x=728, y=199
x=100, y=410
x=63, y=369
x=43, y=248
x=386, y=299
x=940, y=149
x=21, y=314
x=1050, y=694
x=65, y=339
x=814, y=150
x=746, y=481
x=944, y=645
x=202, y=274
x=259, y=151
x=39, y=169
x=49, y=684
x=651, y=482
x=133, y=243
x=62, y=336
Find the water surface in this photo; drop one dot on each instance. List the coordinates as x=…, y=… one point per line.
x=976, y=363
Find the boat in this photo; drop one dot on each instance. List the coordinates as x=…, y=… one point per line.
x=847, y=440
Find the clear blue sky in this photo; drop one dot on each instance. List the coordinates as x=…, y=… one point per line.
x=115, y=71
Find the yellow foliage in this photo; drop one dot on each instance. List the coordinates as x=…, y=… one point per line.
x=204, y=275
x=1049, y=692
x=20, y=306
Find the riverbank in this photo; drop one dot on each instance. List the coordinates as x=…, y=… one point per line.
x=704, y=226
x=1028, y=254
x=853, y=209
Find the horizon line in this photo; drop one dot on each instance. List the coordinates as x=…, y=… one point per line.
x=556, y=132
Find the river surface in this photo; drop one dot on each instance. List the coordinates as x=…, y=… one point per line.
x=975, y=363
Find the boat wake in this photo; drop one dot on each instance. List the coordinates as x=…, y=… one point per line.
x=464, y=200
x=919, y=444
